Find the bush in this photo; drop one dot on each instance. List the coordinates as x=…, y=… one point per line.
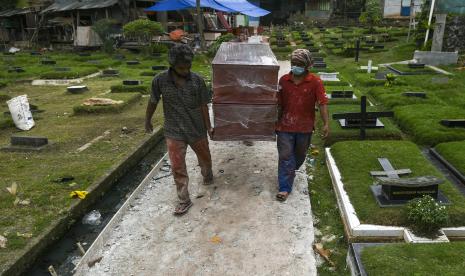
x=142, y=29
x=216, y=45
x=427, y=215
x=106, y=28
x=372, y=14
x=143, y=89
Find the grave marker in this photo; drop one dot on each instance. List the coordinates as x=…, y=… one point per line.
x=339, y=94
x=132, y=62
x=453, y=123
x=328, y=76
x=26, y=143
x=77, y=89
x=132, y=82
x=16, y=69
x=110, y=73
x=394, y=190
x=319, y=65
x=415, y=94
x=362, y=119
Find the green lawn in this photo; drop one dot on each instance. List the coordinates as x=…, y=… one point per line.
x=355, y=160
x=34, y=172
x=415, y=259
x=422, y=122
x=454, y=152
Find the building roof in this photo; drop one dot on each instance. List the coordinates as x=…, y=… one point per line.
x=69, y=5
x=11, y=12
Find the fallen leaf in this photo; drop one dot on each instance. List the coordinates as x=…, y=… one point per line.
x=315, y=152
x=13, y=188
x=78, y=194
x=216, y=240
x=24, y=235
x=3, y=241
x=325, y=253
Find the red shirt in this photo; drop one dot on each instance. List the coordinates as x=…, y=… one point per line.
x=298, y=103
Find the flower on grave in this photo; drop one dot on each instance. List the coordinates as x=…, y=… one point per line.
x=426, y=215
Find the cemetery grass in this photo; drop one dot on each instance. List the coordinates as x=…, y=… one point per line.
x=415, y=259
x=454, y=153
x=35, y=172
x=326, y=217
x=355, y=160
x=390, y=130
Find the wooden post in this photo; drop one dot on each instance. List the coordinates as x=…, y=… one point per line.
x=429, y=21
x=357, y=50
x=363, y=117
x=106, y=13
x=200, y=25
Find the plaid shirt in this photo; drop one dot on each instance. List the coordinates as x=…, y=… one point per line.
x=181, y=106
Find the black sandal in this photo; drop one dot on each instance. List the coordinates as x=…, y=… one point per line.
x=182, y=208
x=282, y=197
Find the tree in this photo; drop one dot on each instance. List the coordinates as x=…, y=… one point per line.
x=142, y=30
x=105, y=28
x=8, y=4
x=372, y=14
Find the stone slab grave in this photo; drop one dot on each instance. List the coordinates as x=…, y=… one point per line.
x=235, y=227
x=110, y=73
x=62, y=69
x=440, y=80
x=422, y=95
x=77, y=89
x=319, y=65
x=362, y=119
x=132, y=82
x=342, y=94
x=16, y=69
x=355, y=230
x=132, y=62
x=329, y=76
x=453, y=123
x=436, y=58
x=392, y=190
x=26, y=143
x=48, y=62
x=159, y=67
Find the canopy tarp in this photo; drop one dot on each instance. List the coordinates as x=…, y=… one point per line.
x=241, y=6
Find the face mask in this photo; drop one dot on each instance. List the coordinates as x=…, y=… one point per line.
x=296, y=70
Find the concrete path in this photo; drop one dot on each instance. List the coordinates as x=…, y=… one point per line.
x=236, y=227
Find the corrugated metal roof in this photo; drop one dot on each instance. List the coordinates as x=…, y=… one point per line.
x=69, y=5
x=8, y=13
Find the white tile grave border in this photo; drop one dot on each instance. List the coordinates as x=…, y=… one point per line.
x=370, y=231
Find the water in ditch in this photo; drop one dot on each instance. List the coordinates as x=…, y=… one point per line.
x=64, y=254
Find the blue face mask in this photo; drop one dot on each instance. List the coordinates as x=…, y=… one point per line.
x=296, y=70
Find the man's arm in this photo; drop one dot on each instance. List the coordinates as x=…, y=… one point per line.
x=151, y=107
x=325, y=117
x=206, y=119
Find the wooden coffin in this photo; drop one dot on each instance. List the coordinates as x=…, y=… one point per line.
x=235, y=122
x=245, y=73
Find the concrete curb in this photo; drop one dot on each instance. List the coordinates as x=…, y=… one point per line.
x=79, y=207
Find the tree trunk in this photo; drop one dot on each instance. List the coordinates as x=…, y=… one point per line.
x=200, y=25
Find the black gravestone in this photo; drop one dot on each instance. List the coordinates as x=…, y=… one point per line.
x=110, y=73
x=77, y=89
x=453, y=123
x=26, y=143
x=159, y=67
x=319, y=65
x=342, y=94
x=415, y=94
x=16, y=69
x=132, y=82
x=363, y=119
x=132, y=62
x=392, y=190
x=416, y=65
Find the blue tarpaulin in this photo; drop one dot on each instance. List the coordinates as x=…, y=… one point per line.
x=241, y=6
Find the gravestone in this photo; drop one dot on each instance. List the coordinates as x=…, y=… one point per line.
x=84, y=54
x=392, y=190
x=416, y=65
x=319, y=65
x=362, y=119
x=62, y=69
x=16, y=69
x=453, y=123
x=415, y=94
x=26, y=143
x=378, y=46
x=110, y=73
x=35, y=53
x=438, y=35
x=440, y=80
x=77, y=89
x=48, y=62
x=381, y=75
x=328, y=76
x=339, y=94
x=132, y=62
x=159, y=67
x=132, y=82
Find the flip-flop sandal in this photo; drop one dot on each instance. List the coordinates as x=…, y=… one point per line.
x=281, y=197
x=182, y=208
